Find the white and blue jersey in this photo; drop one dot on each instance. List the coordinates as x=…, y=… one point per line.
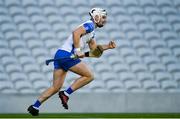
x=89, y=27
x=67, y=48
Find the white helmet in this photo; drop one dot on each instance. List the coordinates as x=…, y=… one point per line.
x=97, y=11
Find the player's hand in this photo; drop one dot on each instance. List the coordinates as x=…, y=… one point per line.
x=79, y=54
x=112, y=45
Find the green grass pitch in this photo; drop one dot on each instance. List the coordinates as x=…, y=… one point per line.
x=95, y=115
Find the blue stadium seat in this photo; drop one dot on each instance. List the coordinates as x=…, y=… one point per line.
x=113, y=60
x=10, y=68
x=21, y=52
x=23, y=60
x=124, y=44
x=16, y=10
x=6, y=85
x=149, y=35
x=115, y=86
x=133, y=35
x=8, y=60
x=129, y=27
x=144, y=76
x=44, y=3
x=145, y=51
x=157, y=67
x=133, y=86
x=55, y=19
x=127, y=52
x=27, y=3
x=169, y=85
x=162, y=76
x=137, y=67
x=83, y=10
x=36, y=76
x=98, y=3
x=107, y=76
x=152, y=11
x=157, y=43
x=28, y=68
x=26, y=35
x=172, y=19
x=33, y=11
x=116, y=10
x=25, y=27
x=176, y=76
x=145, y=3
x=41, y=27
x=151, y=60
x=157, y=18
x=128, y=3
x=176, y=52
x=140, y=19
x=97, y=86
x=152, y=86
x=133, y=10
x=5, y=52
x=140, y=43
x=173, y=68
x=163, y=52
x=17, y=44
x=172, y=44
x=18, y=76
x=66, y=10
x=35, y=43
x=60, y=3
x=169, y=35
x=10, y=3
x=41, y=86
x=4, y=75
x=3, y=10
x=50, y=10
x=5, y=18
x=169, y=60
x=37, y=52
x=3, y=44
x=126, y=76
x=144, y=26
x=8, y=26
x=113, y=3
x=162, y=3
x=166, y=10
x=121, y=67
x=77, y=3
x=132, y=59
x=24, y=87
x=59, y=27
x=11, y=35
x=102, y=67
x=18, y=19
x=123, y=18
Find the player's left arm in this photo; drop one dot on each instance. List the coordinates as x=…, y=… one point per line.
x=97, y=50
x=110, y=45
x=92, y=45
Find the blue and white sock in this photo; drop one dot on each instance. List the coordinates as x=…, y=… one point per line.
x=37, y=104
x=68, y=91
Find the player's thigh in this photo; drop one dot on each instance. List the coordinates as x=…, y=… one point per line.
x=82, y=69
x=58, y=77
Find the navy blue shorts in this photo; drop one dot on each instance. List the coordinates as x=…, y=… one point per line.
x=65, y=63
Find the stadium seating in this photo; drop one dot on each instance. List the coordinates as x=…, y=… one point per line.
x=146, y=32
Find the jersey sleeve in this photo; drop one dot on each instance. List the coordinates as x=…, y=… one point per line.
x=89, y=27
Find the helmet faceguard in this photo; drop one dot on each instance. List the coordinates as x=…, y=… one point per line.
x=97, y=12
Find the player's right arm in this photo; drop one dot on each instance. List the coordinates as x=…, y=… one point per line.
x=77, y=33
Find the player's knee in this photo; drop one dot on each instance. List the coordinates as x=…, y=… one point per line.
x=90, y=77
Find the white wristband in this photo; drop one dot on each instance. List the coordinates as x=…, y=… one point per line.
x=77, y=49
